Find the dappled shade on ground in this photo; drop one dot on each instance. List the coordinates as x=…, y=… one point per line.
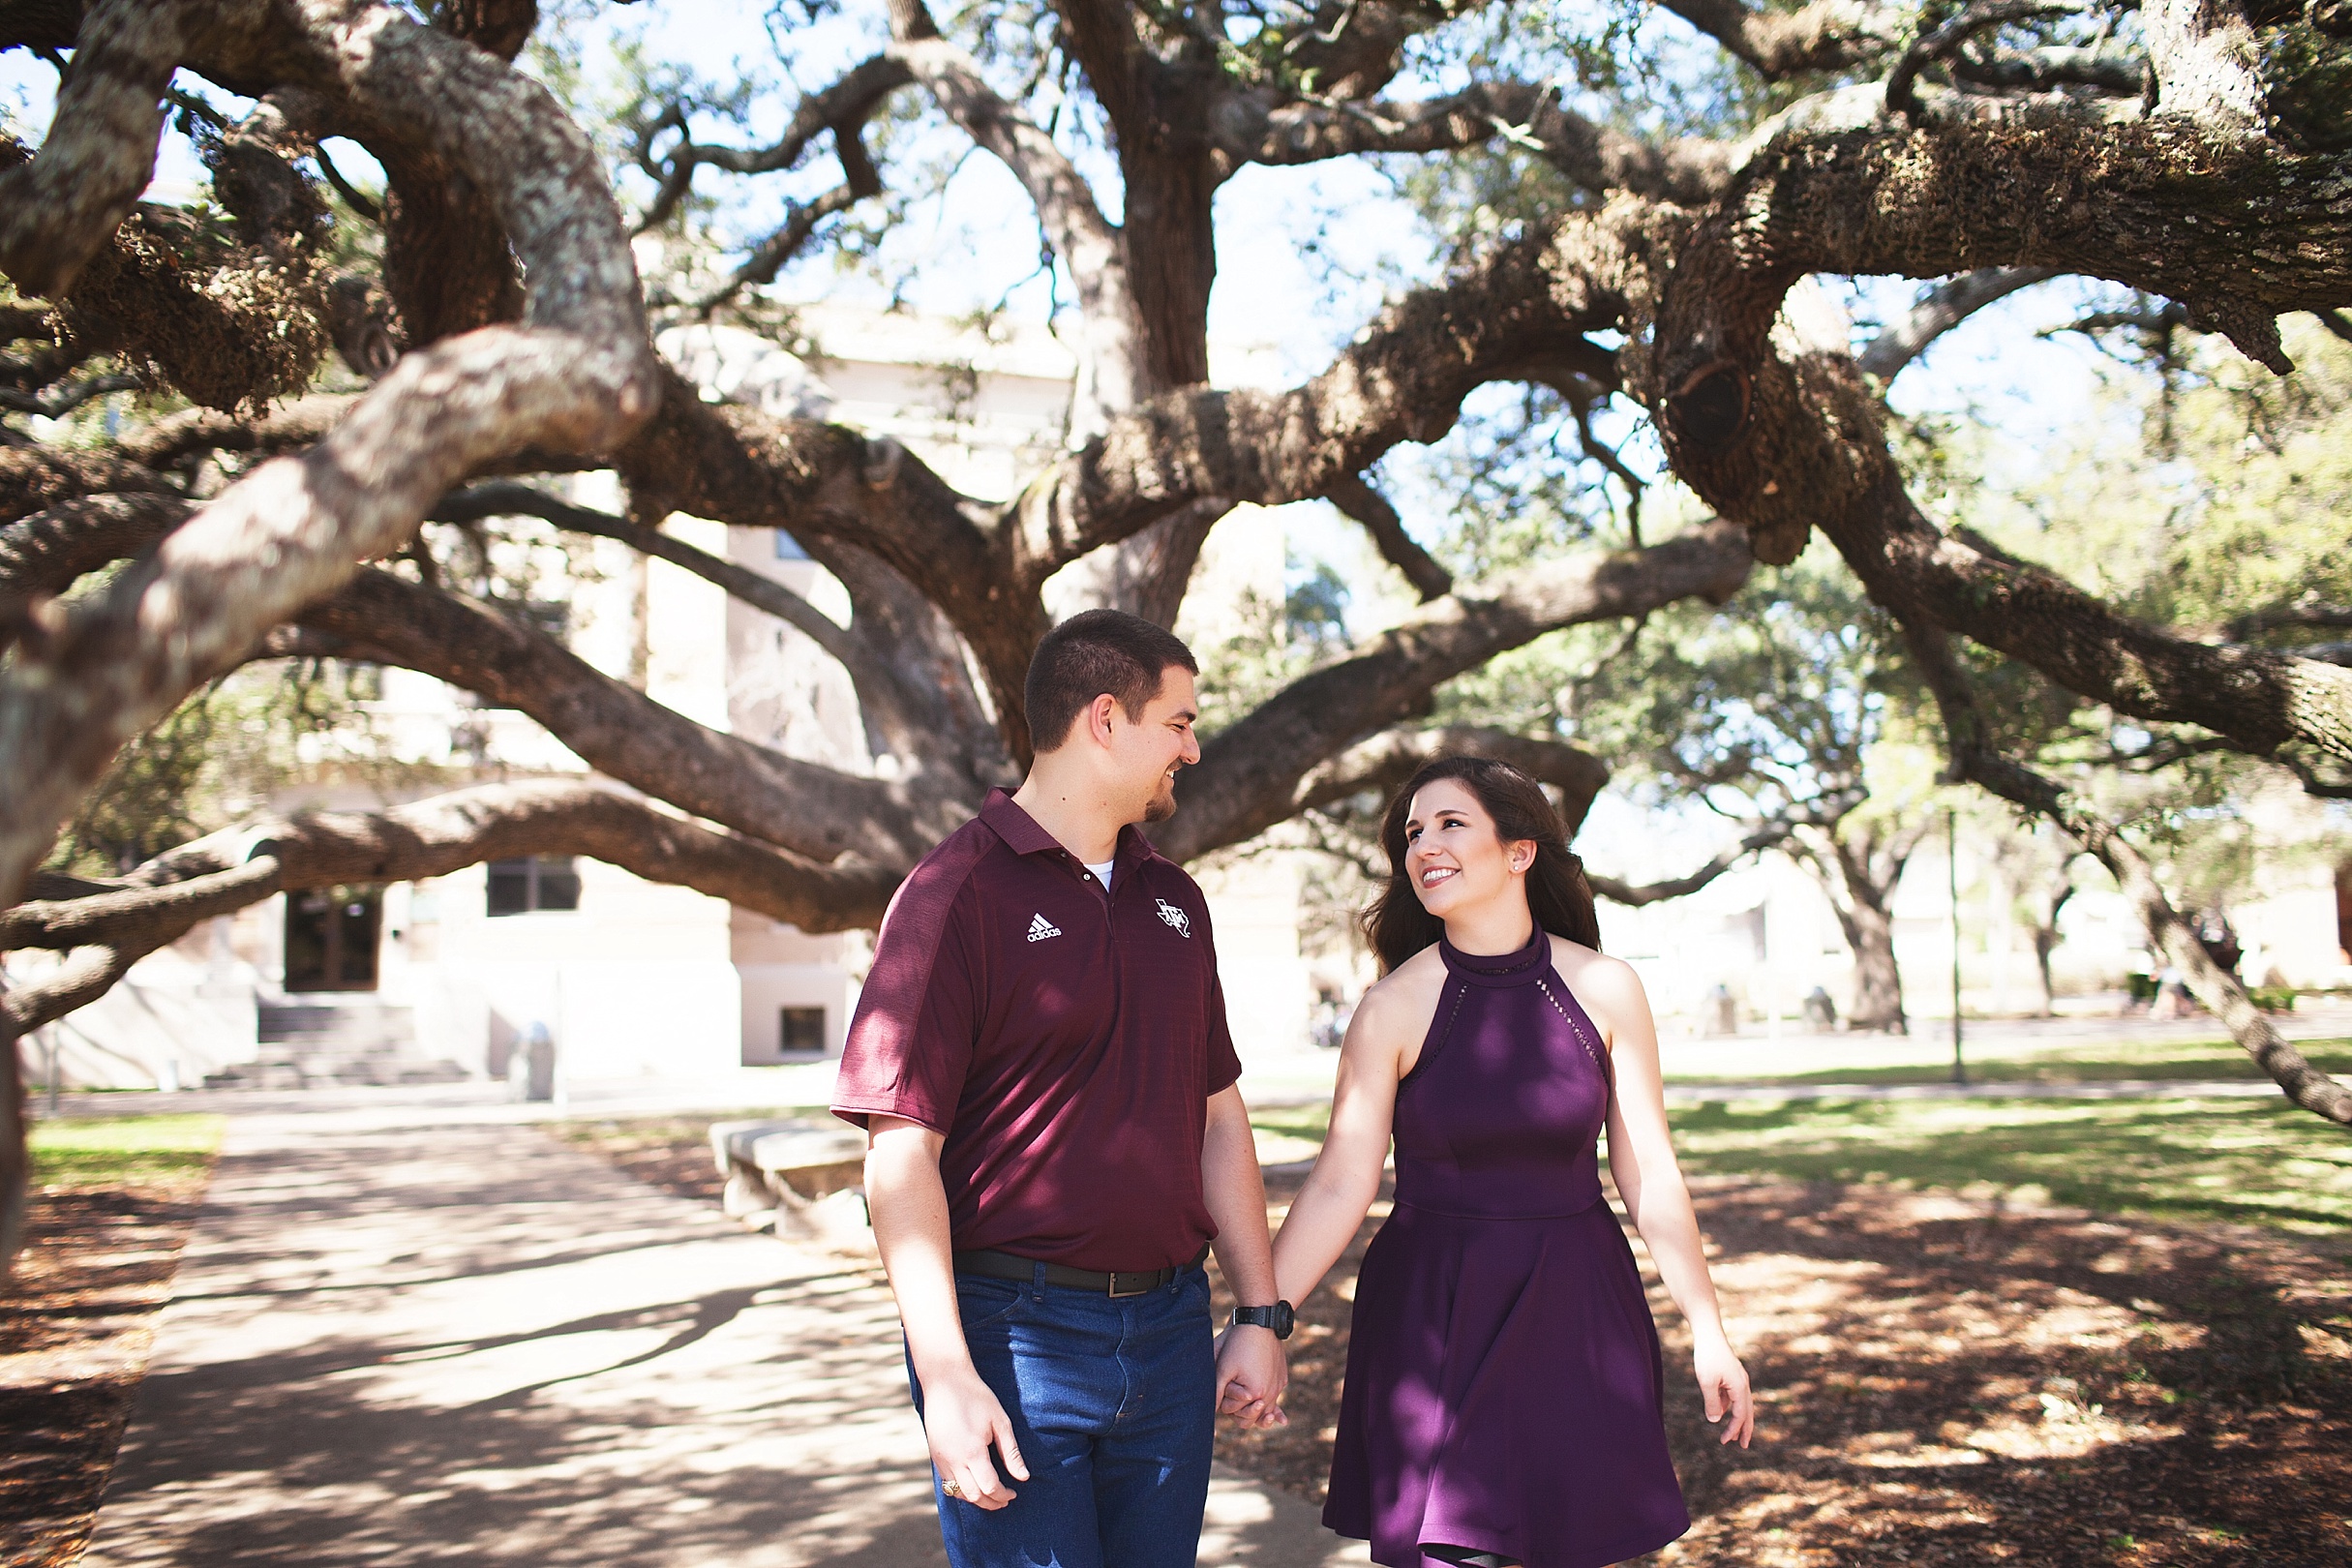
x=1952, y=1380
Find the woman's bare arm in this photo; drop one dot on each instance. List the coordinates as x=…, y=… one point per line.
x=1347, y=1176
x=1642, y=1159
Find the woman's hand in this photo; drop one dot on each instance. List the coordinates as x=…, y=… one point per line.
x=1722, y=1383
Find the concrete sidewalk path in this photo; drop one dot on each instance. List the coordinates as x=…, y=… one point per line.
x=397, y=1340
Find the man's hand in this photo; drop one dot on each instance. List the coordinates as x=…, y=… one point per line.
x=961, y=1417
x=1251, y=1374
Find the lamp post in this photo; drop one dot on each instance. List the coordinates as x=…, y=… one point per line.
x=1952, y=828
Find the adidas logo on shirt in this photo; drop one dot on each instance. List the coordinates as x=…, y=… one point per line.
x=1040, y=928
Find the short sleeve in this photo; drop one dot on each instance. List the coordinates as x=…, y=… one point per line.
x=910, y=1042
x=1220, y=1066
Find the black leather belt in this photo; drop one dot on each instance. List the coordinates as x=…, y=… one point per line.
x=1006, y=1266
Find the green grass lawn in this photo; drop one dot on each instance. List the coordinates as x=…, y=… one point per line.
x=113, y=1150
x=2075, y=1062
x=2251, y=1161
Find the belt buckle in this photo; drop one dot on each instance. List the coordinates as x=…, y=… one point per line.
x=1117, y=1294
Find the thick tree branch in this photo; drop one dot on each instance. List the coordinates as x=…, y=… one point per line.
x=42, y=555
x=35, y=478
x=577, y=378
x=432, y=837
x=1249, y=775
x=809, y=809
x=904, y=723
x=2206, y=62
x=57, y=211
x=1824, y=35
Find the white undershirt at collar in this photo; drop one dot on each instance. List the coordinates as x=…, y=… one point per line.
x=1102, y=872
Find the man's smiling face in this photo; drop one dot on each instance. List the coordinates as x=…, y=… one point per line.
x=1148, y=750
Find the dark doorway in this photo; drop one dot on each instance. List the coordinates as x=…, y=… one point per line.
x=330, y=938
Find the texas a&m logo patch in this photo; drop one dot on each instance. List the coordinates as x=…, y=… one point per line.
x=1176, y=917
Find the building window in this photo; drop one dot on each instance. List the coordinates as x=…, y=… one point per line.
x=543, y=882
x=803, y=1030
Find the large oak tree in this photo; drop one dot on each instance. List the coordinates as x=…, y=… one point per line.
x=507, y=334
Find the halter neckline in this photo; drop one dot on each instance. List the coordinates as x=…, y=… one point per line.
x=1525, y=967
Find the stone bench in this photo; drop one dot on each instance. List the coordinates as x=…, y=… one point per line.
x=803, y=1178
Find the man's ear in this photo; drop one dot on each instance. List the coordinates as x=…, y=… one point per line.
x=1098, y=718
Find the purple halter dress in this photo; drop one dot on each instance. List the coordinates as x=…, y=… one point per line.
x=1503, y=1374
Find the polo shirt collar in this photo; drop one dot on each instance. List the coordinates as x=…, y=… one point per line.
x=1024, y=835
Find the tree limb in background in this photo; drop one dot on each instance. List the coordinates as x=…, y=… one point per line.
x=1383, y=762
x=1975, y=757
x=1633, y=895
x=226, y=871
x=1248, y=776
x=803, y=806
x=1824, y=35
x=1355, y=496
x=1940, y=310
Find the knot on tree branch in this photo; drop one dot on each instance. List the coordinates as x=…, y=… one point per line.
x=1709, y=408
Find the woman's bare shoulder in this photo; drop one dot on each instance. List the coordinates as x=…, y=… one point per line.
x=1606, y=985
x=1406, y=992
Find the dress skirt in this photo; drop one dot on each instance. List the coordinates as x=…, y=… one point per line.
x=1503, y=1395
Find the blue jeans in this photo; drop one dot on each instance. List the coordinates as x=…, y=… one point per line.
x=1113, y=1403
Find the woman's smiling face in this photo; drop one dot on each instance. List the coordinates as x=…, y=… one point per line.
x=1451, y=850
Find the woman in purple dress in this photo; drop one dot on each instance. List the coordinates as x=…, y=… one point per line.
x=1504, y=1380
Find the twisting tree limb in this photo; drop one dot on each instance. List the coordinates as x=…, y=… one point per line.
x=43, y=553
x=58, y=210
x=1977, y=757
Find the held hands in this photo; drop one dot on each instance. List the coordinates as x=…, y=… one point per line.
x=1724, y=1384
x=961, y=1418
x=1252, y=1373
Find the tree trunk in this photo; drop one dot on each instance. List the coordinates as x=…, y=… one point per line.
x=1878, y=987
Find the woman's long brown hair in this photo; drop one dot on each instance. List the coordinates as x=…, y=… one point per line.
x=1397, y=926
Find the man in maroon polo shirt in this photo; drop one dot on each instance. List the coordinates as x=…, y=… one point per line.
x=1041, y=1063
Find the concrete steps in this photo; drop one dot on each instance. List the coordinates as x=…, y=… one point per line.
x=328, y=1040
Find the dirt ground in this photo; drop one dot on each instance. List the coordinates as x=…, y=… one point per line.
x=1947, y=1381
x=77, y=1321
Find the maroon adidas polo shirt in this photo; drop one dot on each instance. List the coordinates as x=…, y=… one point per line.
x=1064, y=1042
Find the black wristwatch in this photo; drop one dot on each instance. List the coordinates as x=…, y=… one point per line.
x=1277, y=1318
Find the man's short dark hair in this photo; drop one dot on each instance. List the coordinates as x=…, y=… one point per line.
x=1088, y=655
